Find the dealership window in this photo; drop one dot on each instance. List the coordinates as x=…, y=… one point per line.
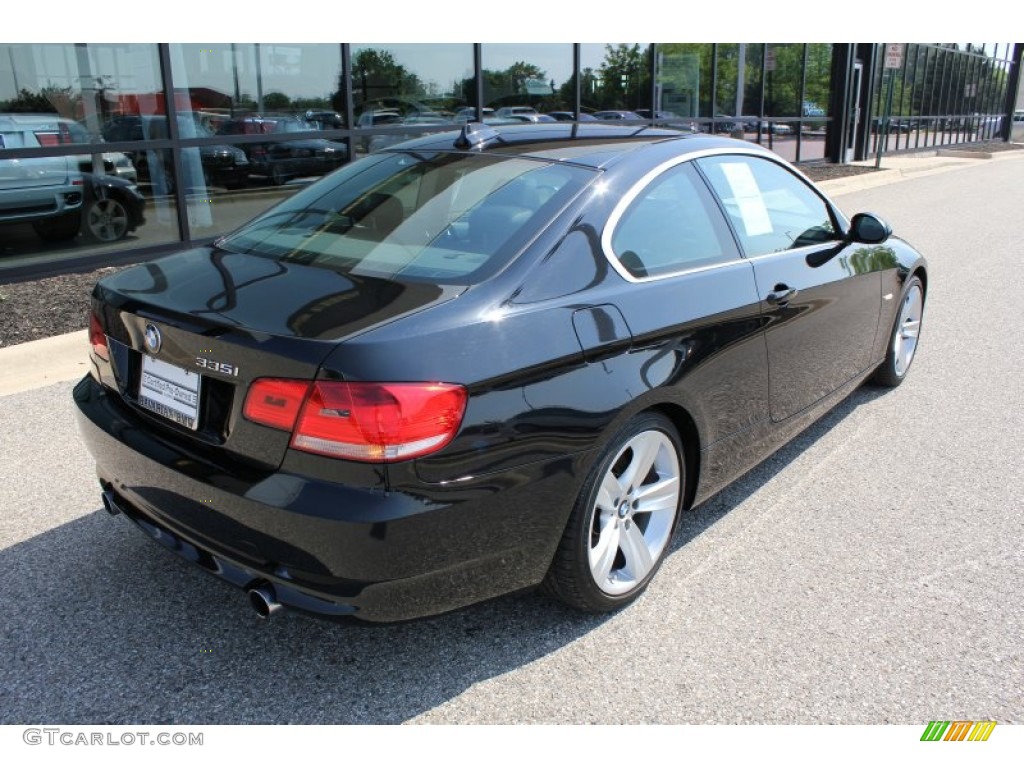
x=84, y=199
x=217, y=80
x=265, y=91
x=528, y=78
x=684, y=80
x=615, y=77
x=403, y=90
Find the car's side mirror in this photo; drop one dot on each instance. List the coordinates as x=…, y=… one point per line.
x=868, y=228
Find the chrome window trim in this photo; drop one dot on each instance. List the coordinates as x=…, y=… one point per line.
x=633, y=192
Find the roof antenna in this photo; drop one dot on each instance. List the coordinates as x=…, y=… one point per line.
x=475, y=135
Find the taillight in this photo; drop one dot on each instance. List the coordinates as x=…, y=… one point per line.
x=97, y=338
x=275, y=402
x=47, y=138
x=359, y=420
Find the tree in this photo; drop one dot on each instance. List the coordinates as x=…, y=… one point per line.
x=275, y=100
x=52, y=98
x=376, y=74
x=625, y=77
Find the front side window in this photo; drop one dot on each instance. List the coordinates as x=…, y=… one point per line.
x=437, y=217
x=671, y=226
x=770, y=208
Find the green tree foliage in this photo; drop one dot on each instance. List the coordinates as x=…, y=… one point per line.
x=623, y=80
x=275, y=100
x=52, y=99
x=376, y=74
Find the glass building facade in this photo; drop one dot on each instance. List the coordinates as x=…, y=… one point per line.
x=122, y=151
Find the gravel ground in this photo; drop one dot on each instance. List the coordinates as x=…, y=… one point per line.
x=38, y=309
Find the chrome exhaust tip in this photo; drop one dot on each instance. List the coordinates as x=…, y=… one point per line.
x=264, y=601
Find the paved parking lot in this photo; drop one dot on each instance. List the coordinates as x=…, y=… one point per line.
x=870, y=572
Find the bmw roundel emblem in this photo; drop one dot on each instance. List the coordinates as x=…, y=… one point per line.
x=153, y=338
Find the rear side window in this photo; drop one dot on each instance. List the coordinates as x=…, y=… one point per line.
x=671, y=226
x=443, y=217
x=770, y=208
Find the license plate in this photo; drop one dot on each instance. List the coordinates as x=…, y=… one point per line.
x=170, y=391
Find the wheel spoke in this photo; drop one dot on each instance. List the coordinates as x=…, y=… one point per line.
x=911, y=328
x=645, y=451
x=602, y=554
x=658, y=496
x=638, y=556
x=608, y=493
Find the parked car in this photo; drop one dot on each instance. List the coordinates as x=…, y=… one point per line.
x=46, y=192
x=893, y=125
x=485, y=360
x=113, y=208
x=325, y=120
x=384, y=140
x=468, y=114
x=114, y=163
x=568, y=117
x=54, y=130
x=287, y=158
x=523, y=117
x=513, y=111
x=219, y=164
x=617, y=114
x=374, y=118
x=779, y=129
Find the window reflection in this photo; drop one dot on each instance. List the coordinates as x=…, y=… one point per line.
x=615, y=78
x=403, y=90
x=215, y=80
x=684, y=80
x=94, y=212
x=522, y=83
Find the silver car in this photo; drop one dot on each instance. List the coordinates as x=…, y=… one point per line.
x=44, y=191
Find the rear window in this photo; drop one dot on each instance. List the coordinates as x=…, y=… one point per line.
x=439, y=217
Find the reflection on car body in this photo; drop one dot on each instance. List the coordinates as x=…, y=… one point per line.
x=487, y=360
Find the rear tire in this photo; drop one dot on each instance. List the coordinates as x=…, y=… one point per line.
x=622, y=522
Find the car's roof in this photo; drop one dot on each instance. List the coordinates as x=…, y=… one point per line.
x=587, y=144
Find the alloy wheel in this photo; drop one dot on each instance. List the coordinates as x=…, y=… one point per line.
x=634, y=512
x=908, y=330
x=107, y=220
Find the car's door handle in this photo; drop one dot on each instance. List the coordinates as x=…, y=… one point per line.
x=781, y=294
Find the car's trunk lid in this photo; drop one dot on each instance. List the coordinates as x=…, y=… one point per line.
x=189, y=333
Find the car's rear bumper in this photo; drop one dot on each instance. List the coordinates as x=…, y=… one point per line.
x=324, y=548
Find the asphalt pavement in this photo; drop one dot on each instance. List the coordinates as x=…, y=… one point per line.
x=869, y=572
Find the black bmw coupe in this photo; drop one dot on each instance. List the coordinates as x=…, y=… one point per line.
x=484, y=361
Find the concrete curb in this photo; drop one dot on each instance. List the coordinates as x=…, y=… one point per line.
x=40, y=363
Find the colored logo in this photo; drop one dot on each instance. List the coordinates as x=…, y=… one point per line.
x=152, y=337
x=958, y=730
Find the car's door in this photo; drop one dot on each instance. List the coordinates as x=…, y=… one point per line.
x=693, y=309
x=821, y=301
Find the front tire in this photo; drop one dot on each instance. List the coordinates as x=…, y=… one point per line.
x=904, y=337
x=622, y=522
